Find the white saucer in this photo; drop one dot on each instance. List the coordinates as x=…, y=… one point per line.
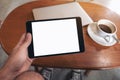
x=92, y=31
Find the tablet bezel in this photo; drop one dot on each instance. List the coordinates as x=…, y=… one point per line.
x=79, y=32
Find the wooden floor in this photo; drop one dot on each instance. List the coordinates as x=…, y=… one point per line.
x=6, y=6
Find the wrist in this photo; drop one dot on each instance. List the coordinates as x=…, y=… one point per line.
x=5, y=74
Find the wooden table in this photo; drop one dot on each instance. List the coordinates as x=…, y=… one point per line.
x=95, y=55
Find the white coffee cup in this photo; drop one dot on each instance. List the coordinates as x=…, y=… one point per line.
x=107, y=29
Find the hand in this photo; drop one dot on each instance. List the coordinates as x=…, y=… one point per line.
x=19, y=61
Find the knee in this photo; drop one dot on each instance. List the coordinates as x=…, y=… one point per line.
x=29, y=75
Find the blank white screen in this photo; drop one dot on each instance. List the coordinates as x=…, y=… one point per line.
x=55, y=37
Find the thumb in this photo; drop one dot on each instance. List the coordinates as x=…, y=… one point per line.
x=27, y=40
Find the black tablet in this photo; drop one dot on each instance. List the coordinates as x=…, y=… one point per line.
x=55, y=36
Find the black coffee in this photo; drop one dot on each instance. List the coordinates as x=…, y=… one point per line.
x=105, y=28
